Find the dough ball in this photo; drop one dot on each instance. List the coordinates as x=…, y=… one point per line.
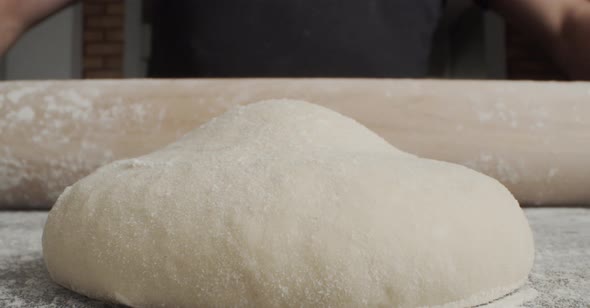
x=284, y=203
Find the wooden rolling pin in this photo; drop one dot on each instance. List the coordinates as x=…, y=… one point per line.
x=532, y=136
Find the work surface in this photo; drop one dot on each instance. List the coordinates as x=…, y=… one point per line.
x=561, y=274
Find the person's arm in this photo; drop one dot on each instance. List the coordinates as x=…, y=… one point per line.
x=562, y=25
x=16, y=16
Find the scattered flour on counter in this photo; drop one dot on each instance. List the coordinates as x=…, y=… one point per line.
x=515, y=299
x=560, y=277
x=138, y=163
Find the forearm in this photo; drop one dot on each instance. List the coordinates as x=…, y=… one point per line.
x=9, y=32
x=540, y=18
x=563, y=26
x=16, y=16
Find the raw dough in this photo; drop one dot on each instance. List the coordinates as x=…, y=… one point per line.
x=287, y=204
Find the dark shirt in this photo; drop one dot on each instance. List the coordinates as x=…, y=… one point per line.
x=292, y=38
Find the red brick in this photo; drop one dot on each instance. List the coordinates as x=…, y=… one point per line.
x=103, y=38
x=104, y=1
x=93, y=63
x=115, y=9
x=115, y=35
x=105, y=49
x=113, y=62
x=103, y=74
x=93, y=36
x=95, y=22
x=93, y=8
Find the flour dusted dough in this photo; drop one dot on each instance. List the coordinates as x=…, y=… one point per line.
x=287, y=204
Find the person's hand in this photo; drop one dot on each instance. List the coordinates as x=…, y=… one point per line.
x=10, y=25
x=16, y=16
x=574, y=52
x=563, y=26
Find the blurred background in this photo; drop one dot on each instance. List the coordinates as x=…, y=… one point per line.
x=111, y=39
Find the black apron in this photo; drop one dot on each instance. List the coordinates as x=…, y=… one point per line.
x=292, y=38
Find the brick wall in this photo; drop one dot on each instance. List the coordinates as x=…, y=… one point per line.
x=103, y=38
x=527, y=59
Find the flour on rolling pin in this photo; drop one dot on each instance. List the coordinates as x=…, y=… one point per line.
x=532, y=136
x=500, y=109
x=40, y=126
x=50, y=137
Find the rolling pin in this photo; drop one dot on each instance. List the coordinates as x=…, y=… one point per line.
x=534, y=137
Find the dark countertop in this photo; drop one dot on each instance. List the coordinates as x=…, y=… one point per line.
x=560, y=277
